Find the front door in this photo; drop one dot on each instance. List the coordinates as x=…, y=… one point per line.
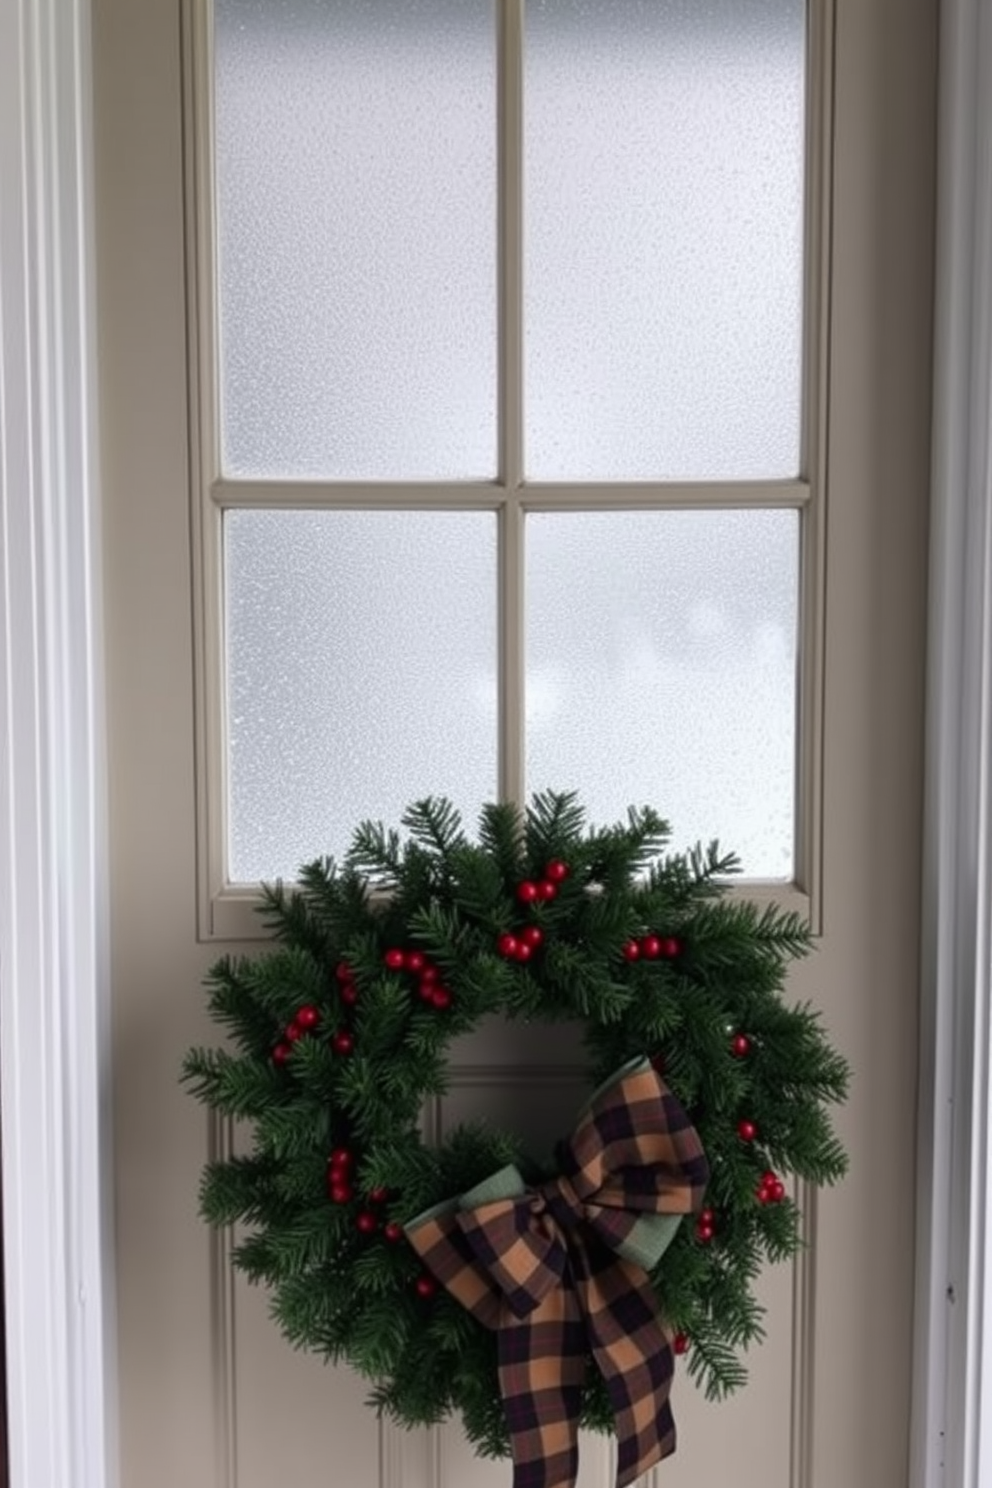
x=211, y=1396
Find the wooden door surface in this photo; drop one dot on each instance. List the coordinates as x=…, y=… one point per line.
x=211, y=1396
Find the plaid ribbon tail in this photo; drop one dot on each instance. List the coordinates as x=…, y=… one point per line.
x=634, y=1356
x=541, y=1376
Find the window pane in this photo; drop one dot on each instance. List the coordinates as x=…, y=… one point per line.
x=661, y=670
x=361, y=675
x=356, y=181
x=663, y=238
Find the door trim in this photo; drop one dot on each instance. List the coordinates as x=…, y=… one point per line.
x=54, y=1035
x=952, y=1360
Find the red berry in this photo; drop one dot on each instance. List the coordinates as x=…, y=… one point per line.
x=441, y=998
x=556, y=870
x=768, y=1178
x=670, y=947
x=281, y=1053
x=680, y=1343
x=707, y=1216
x=378, y=1195
x=747, y=1131
x=532, y=935
x=341, y=1193
x=393, y=1232
x=778, y=1191
x=763, y=1194
x=294, y=1032
x=343, y=972
x=341, y=1158
x=308, y=1017
x=546, y=889
x=414, y=961
x=741, y=1045
x=349, y=994
x=426, y=1286
x=507, y=944
x=366, y=1223
x=631, y=950
x=705, y=1233
x=650, y=947
x=394, y=960
x=527, y=891
x=426, y=988
x=343, y=1043
x=523, y=951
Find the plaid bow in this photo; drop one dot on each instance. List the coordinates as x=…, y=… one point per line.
x=560, y=1271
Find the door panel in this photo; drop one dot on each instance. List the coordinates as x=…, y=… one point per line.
x=211, y=1396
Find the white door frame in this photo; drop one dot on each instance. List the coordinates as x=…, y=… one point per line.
x=952, y=1415
x=54, y=994
x=54, y=991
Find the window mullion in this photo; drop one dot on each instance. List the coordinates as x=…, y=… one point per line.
x=510, y=124
x=511, y=414
x=511, y=631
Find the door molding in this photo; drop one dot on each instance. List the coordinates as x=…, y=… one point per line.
x=54, y=1038
x=952, y=1359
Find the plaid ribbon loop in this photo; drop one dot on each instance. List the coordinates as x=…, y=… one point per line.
x=561, y=1273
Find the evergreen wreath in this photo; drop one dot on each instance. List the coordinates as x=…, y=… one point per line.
x=342, y=1030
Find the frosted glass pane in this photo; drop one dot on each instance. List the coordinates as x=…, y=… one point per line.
x=361, y=675
x=663, y=238
x=356, y=202
x=661, y=670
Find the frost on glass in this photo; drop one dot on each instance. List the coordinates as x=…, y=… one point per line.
x=664, y=146
x=361, y=675
x=356, y=212
x=662, y=670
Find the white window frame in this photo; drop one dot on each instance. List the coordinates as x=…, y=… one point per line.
x=226, y=911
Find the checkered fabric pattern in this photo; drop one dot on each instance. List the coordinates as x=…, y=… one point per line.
x=551, y=1269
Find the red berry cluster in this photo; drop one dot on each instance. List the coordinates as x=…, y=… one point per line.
x=343, y=1042
x=652, y=948
x=539, y=890
x=306, y=1021
x=340, y=1186
x=520, y=945
x=340, y=1168
x=706, y=1226
x=369, y=1219
x=347, y=990
x=771, y=1189
x=430, y=988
